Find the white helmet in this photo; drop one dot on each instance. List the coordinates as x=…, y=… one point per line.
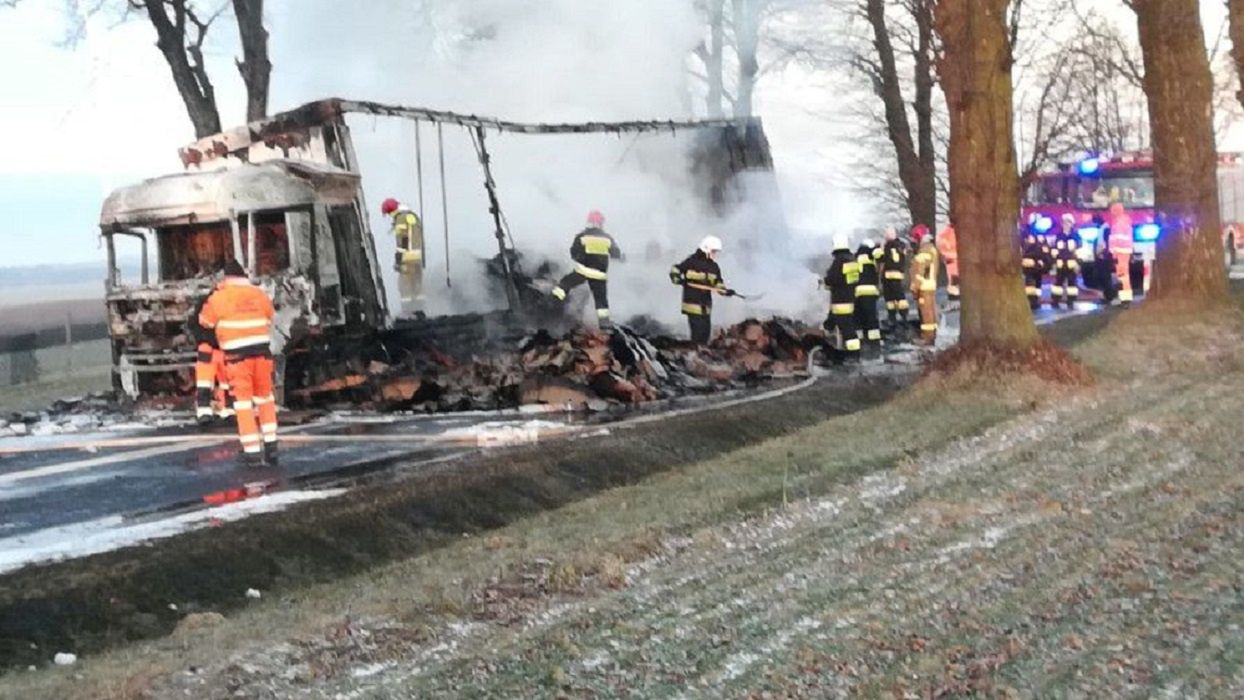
x=1069, y=218
x=868, y=243
x=710, y=245
x=842, y=242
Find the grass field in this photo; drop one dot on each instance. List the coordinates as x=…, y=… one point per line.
x=63, y=372
x=1001, y=538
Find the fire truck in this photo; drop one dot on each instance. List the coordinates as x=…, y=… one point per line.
x=1085, y=188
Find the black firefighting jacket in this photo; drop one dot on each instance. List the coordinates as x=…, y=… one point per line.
x=591, y=251
x=1035, y=256
x=894, y=258
x=1066, y=246
x=841, y=279
x=700, y=278
x=870, y=278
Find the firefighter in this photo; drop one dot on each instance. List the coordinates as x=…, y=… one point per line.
x=841, y=279
x=894, y=271
x=700, y=278
x=241, y=315
x=1065, y=288
x=1103, y=264
x=948, y=247
x=591, y=250
x=866, y=293
x=924, y=282
x=211, y=385
x=1033, y=263
x=407, y=230
x=1120, y=244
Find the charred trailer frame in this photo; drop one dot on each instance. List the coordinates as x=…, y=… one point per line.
x=297, y=228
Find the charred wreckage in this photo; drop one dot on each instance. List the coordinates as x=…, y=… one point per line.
x=284, y=197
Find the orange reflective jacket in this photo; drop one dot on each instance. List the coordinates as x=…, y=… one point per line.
x=1120, y=240
x=241, y=314
x=948, y=243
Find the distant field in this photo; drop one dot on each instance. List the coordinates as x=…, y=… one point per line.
x=20, y=295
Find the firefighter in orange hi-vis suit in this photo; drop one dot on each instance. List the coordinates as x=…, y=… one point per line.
x=948, y=247
x=211, y=396
x=241, y=314
x=1120, y=244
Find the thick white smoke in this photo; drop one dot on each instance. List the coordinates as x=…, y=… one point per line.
x=554, y=61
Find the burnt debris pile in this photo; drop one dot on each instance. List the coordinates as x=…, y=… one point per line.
x=579, y=369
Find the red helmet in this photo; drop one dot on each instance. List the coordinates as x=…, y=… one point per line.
x=918, y=232
x=595, y=218
x=389, y=206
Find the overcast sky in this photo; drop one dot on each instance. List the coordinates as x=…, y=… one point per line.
x=80, y=121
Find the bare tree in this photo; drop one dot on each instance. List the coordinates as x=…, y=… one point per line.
x=731, y=76
x=1180, y=89
x=916, y=157
x=255, y=67
x=975, y=69
x=182, y=28
x=180, y=33
x=1235, y=15
x=712, y=55
x=746, y=17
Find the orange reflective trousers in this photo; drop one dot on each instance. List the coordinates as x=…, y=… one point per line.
x=251, y=380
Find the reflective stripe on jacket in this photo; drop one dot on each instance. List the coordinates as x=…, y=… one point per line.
x=870, y=279
x=408, y=230
x=842, y=277
x=591, y=251
x=700, y=278
x=924, y=268
x=241, y=315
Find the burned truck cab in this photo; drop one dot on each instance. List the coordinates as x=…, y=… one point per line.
x=297, y=228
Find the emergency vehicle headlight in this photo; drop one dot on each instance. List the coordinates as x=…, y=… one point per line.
x=1043, y=224
x=1089, y=166
x=1088, y=234
x=1147, y=232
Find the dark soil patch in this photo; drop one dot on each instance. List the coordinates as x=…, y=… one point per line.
x=984, y=360
x=90, y=604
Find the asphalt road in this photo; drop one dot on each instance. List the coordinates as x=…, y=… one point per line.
x=64, y=503
x=50, y=497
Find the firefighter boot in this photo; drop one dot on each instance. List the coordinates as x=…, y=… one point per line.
x=250, y=460
x=270, y=454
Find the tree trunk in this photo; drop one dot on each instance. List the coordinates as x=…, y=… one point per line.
x=916, y=169
x=191, y=78
x=1189, y=261
x=925, y=201
x=1235, y=13
x=255, y=67
x=975, y=69
x=746, y=42
x=713, y=69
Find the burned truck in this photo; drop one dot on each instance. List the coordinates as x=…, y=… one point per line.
x=296, y=226
x=283, y=196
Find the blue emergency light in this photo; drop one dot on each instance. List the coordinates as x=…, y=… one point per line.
x=1147, y=232
x=1042, y=224
x=1089, y=166
x=1088, y=234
